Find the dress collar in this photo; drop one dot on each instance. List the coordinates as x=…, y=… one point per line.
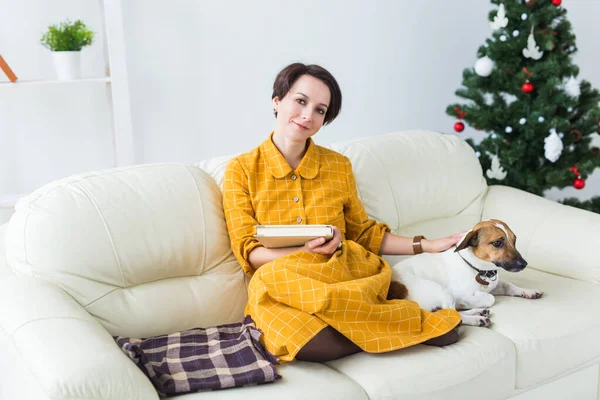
x=308, y=168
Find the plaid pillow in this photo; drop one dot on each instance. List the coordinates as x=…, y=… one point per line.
x=219, y=357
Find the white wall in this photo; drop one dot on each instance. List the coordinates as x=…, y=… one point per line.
x=48, y=131
x=201, y=75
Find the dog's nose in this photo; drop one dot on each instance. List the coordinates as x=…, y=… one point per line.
x=521, y=263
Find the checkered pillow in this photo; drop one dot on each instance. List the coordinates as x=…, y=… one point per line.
x=198, y=359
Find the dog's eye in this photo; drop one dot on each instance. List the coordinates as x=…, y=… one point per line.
x=498, y=243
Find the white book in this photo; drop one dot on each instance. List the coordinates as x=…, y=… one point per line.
x=275, y=236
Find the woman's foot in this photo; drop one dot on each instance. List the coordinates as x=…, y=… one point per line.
x=445, y=339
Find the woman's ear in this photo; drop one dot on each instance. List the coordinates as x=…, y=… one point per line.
x=470, y=239
x=275, y=103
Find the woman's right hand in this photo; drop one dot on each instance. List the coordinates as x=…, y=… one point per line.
x=321, y=246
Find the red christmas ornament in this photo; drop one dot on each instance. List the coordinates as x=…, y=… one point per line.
x=579, y=183
x=527, y=87
x=556, y=2
x=459, y=126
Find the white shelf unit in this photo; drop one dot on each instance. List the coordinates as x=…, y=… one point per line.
x=117, y=88
x=103, y=79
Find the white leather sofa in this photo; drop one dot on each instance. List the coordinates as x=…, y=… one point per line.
x=143, y=250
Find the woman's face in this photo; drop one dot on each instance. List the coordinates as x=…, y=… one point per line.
x=301, y=112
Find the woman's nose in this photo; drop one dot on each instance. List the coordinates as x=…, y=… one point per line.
x=306, y=114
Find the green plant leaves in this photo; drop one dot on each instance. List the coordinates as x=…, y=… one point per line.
x=67, y=36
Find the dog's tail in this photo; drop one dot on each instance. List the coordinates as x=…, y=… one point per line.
x=397, y=291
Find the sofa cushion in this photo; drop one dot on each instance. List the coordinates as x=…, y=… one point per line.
x=300, y=380
x=144, y=248
x=481, y=365
x=407, y=177
x=552, y=335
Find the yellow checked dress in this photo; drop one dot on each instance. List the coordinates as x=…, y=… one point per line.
x=292, y=298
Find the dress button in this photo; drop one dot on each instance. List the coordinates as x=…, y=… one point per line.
x=298, y=220
x=293, y=177
x=296, y=199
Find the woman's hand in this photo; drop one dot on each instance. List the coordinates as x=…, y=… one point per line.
x=438, y=245
x=319, y=245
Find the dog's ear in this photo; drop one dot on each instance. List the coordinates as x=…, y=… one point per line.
x=470, y=239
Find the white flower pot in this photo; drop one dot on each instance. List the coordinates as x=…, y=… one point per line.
x=67, y=64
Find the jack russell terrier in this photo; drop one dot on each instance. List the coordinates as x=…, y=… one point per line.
x=464, y=277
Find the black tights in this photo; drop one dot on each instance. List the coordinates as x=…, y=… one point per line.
x=329, y=345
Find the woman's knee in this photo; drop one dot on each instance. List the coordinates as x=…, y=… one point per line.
x=327, y=345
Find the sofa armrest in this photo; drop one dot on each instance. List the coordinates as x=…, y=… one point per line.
x=66, y=350
x=552, y=237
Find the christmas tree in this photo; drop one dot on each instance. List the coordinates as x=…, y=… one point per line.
x=525, y=94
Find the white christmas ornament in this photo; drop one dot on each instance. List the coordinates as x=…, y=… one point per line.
x=508, y=129
x=488, y=98
x=500, y=21
x=532, y=51
x=541, y=119
x=478, y=154
x=509, y=98
x=572, y=88
x=503, y=38
x=553, y=147
x=484, y=66
x=515, y=33
x=570, y=109
x=523, y=16
x=493, y=136
x=522, y=121
x=496, y=171
x=555, y=22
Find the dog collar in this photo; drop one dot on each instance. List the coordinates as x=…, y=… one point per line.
x=482, y=276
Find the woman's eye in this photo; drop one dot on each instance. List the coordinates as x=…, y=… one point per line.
x=300, y=101
x=321, y=111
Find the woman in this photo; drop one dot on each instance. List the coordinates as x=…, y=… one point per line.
x=324, y=300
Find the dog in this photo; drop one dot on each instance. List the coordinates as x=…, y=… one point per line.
x=464, y=277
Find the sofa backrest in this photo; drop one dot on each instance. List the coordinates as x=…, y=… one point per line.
x=418, y=182
x=144, y=249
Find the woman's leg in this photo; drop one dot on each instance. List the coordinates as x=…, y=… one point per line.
x=327, y=345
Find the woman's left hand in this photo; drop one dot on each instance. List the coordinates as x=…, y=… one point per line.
x=438, y=245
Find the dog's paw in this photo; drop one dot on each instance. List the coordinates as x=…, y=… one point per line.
x=469, y=318
x=530, y=294
x=483, y=312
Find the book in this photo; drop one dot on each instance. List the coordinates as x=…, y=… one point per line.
x=9, y=73
x=276, y=236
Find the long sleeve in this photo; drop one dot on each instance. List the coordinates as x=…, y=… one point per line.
x=239, y=214
x=359, y=228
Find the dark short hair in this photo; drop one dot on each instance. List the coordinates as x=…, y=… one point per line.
x=290, y=74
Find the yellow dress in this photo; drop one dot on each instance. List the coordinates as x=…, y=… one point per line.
x=293, y=297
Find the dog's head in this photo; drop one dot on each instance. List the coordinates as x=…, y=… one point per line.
x=493, y=241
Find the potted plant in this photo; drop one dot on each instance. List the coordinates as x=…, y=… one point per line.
x=66, y=41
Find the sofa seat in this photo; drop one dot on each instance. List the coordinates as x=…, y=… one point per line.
x=300, y=380
x=552, y=336
x=480, y=365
